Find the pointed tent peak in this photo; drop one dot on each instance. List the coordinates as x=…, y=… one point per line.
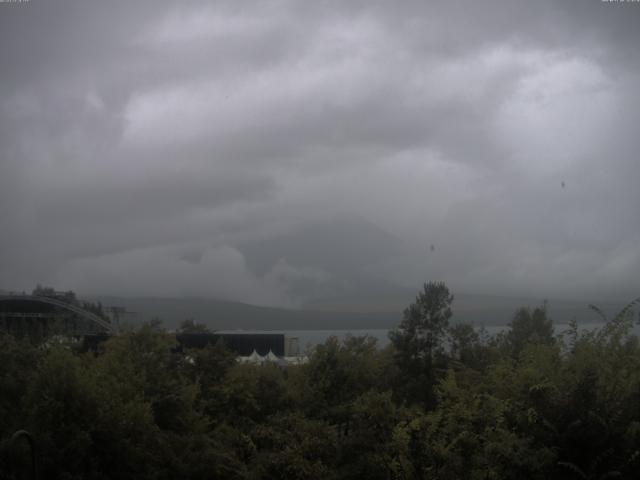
x=271, y=356
x=255, y=356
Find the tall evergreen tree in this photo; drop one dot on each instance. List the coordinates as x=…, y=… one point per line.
x=418, y=341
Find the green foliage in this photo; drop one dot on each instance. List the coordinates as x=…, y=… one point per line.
x=290, y=446
x=529, y=326
x=469, y=435
x=337, y=373
x=418, y=342
x=470, y=346
x=191, y=326
x=441, y=402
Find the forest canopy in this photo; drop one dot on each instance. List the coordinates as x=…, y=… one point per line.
x=443, y=401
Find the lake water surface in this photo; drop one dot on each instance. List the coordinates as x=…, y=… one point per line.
x=310, y=338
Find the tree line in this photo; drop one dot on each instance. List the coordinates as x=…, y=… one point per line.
x=442, y=401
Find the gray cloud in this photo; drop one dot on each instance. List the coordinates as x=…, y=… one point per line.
x=294, y=154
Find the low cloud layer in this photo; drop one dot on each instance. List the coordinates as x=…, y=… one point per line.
x=291, y=154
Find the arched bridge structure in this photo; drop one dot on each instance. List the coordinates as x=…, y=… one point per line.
x=101, y=322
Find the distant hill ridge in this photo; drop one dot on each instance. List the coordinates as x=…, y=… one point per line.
x=227, y=315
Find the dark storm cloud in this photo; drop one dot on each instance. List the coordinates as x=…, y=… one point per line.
x=285, y=153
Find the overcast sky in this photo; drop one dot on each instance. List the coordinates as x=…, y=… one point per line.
x=320, y=153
